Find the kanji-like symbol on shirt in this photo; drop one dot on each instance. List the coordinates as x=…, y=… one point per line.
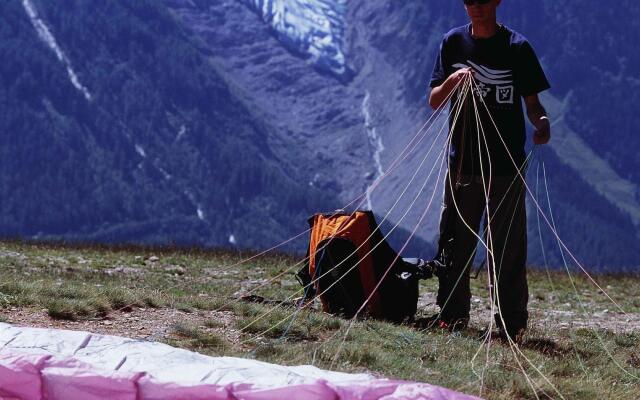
x=481, y=89
x=504, y=94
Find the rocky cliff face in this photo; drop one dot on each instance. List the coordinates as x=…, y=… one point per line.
x=234, y=119
x=313, y=29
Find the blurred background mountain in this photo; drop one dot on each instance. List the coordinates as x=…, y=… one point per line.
x=229, y=122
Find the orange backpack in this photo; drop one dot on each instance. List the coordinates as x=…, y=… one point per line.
x=349, y=262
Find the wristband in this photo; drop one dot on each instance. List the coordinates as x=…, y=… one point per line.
x=541, y=119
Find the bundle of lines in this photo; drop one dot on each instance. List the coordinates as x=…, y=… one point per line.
x=355, y=258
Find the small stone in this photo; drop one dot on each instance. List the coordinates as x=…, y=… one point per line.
x=175, y=269
x=153, y=258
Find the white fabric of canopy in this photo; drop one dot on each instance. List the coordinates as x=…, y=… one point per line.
x=52, y=364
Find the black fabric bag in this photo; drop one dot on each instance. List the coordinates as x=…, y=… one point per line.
x=348, y=264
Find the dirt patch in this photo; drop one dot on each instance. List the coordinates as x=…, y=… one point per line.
x=563, y=320
x=613, y=321
x=158, y=324
x=153, y=324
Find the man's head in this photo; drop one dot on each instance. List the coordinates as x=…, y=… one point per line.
x=481, y=11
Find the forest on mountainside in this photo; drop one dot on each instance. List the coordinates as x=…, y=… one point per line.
x=118, y=168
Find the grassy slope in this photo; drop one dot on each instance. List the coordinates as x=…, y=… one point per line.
x=94, y=285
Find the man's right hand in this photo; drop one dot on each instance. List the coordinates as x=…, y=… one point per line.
x=458, y=76
x=441, y=93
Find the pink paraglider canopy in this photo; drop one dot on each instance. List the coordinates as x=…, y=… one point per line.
x=59, y=364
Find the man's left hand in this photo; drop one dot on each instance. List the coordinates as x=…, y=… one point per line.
x=543, y=132
x=538, y=117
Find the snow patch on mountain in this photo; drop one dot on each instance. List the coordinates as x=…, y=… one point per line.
x=181, y=132
x=46, y=36
x=140, y=151
x=375, y=141
x=165, y=174
x=199, y=212
x=313, y=28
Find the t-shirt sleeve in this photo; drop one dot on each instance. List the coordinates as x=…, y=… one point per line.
x=438, y=76
x=531, y=77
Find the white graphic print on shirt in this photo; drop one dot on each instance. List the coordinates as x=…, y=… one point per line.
x=500, y=81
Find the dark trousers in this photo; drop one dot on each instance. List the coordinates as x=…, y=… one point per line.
x=507, y=240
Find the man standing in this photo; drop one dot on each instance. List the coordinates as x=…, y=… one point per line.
x=487, y=155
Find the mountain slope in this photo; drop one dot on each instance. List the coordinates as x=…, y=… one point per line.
x=163, y=150
x=224, y=122
x=390, y=48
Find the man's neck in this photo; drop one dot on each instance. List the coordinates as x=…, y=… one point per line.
x=483, y=30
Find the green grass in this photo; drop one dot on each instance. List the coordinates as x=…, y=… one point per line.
x=90, y=283
x=195, y=338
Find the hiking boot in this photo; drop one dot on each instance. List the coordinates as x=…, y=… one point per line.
x=517, y=335
x=451, y=325
x=457, y=325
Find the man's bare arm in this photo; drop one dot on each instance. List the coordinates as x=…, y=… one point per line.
x=439, y=94
x=538, y=117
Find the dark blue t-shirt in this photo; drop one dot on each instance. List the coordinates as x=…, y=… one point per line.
x=505, y=70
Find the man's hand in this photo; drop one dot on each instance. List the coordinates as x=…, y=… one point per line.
x=458, y=76
x=538, y=117
x=543, y=131
x=439, y=94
